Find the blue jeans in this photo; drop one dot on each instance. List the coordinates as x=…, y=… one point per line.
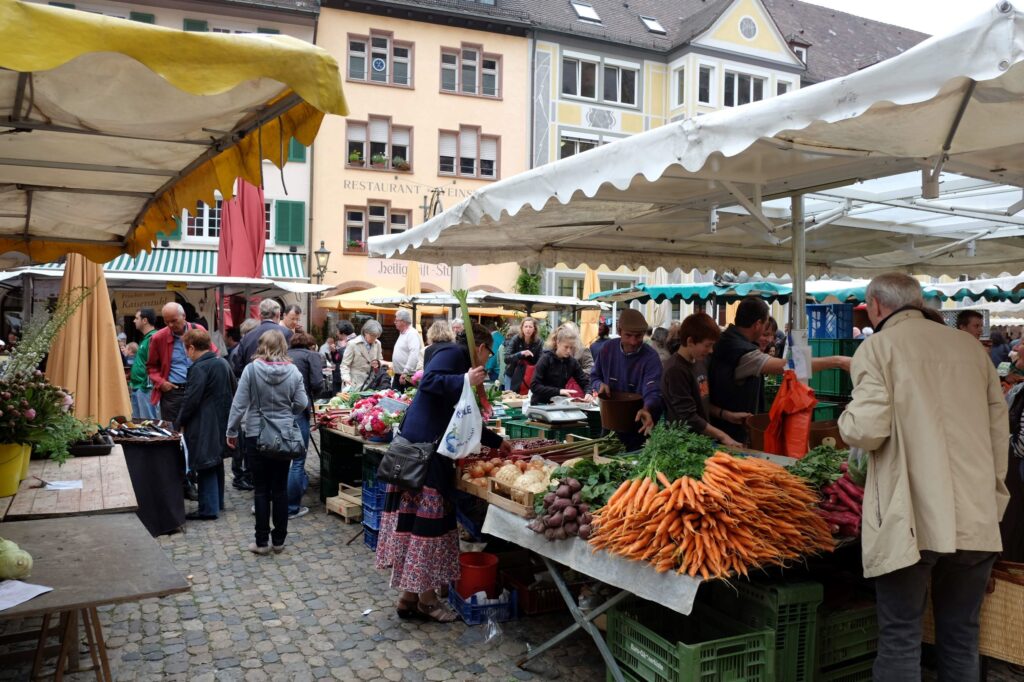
x=298, y=481
x=142, y=409
x=211, y=490
x=270, y=477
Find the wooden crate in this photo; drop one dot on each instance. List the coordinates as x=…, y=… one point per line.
x=498, y=499
x=348, y=503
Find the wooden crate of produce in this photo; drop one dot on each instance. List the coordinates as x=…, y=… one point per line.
x=347, y=504
x=491, y=495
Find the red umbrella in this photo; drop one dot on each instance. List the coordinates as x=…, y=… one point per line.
x=242, y=233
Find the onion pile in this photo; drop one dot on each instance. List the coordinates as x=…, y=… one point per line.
x=565, y=514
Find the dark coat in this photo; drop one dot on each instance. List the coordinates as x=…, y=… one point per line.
x=552, y=374
x=311, y=366
x=251, y=341
x=516, y=362
x=204, y=410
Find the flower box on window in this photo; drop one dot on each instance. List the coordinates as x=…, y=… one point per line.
x=379, y=161
x=398, y=163
x=356, y=159
x=355, y=246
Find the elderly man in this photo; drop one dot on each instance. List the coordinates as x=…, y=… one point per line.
x=168, y=363
x=936, y=429
x=270, y=319
x=405, y=358
x=142, y=408
x=737, y=364
x=629, y=365
x=458, y=327
x=292, y=318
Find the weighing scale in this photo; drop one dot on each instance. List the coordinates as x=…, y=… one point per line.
x=556, y=412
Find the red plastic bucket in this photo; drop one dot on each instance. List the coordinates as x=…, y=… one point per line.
x=479, y=571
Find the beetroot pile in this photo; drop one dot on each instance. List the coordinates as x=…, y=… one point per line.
x=841, y=506
x=565, y=514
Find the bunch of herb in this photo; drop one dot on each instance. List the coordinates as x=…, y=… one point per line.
x=599, y=481
x=40, y=332
x=676, y=451
x=820, y=466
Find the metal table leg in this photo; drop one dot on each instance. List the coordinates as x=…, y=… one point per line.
x=583, y=622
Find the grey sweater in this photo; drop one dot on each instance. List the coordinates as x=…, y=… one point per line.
x=278, y=387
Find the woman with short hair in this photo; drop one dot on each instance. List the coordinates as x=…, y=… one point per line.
x=438, y=334
x=203, y=418
x=270, y=387
x=684, y=380
x=360, y=354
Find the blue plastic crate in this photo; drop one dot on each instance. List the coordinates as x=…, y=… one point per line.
x=374, y=494
x=830, y=321
x=477, y=614
x=370, y=538
x=371, y=516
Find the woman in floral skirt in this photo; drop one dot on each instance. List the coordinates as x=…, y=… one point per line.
x=418, y=535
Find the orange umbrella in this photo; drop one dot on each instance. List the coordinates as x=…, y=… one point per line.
x=84, y=357
x=589, y=319
x=413, y=287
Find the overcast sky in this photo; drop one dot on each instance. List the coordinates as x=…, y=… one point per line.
x=930, y=16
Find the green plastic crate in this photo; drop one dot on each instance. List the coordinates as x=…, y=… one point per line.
x=790, y=610
x=847, y=635
x=522, y=428
x=823, y=348
x=658, y=645
x=627, y=674
x=832, y=381
x=859, y=671
x=825, y=411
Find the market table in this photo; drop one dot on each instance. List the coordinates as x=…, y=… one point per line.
x=106, y=488
x=89, y=561
x=341, y=460
x=669, y=589
x=157, y=470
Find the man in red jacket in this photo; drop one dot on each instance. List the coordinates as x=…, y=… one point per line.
x=168, y=362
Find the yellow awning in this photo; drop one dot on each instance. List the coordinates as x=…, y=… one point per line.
x=120, y=125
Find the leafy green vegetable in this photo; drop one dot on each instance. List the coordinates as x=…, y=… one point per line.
x=675, y=451
x=820, y=466
x=599, y=481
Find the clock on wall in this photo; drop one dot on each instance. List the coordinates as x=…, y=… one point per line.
x=748, y=28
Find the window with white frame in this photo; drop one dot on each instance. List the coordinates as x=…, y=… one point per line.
x=585, y=11
x=620, y=85
x=378, y=58
x=468, y=153
x=579, y=78
x=204, y=222
x=570, y=284
x=801, y=52
x=653, y=25
x=706, y=85
x=782, y=87
x=375, y=219
x=470, y=71
x=379, y=143
x=742, y=88
x=680, y=84
x=571, y=145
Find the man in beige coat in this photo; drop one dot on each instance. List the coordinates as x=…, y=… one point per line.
x=928, y=408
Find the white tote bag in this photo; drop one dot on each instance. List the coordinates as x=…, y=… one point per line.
x=462, y=437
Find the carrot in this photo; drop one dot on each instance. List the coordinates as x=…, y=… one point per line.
x=663, y=479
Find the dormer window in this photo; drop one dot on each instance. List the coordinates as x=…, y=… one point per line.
x=585, y=11
x=801, y=52
x=653, y=25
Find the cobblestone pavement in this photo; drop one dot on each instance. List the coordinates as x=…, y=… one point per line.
x=302, y=615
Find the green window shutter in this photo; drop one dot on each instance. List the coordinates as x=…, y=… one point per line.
x=143, y=17
x=65, y=5
x=296, y=151
x=173, y=235
x=290, y=217
x=196, y=25
x=271, y=31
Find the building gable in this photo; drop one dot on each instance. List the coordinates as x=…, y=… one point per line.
x=747, y=28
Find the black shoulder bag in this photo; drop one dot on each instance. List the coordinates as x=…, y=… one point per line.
x=405, y=463
x=279, y=437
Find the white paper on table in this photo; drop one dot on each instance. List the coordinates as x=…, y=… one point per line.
x=14, y=592
x=63, y=485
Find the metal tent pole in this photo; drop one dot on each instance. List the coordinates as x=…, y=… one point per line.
x=798, y=300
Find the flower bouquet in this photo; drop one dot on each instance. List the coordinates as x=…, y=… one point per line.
x=376, y=424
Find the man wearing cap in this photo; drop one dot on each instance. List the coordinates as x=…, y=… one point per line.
x=629, y=365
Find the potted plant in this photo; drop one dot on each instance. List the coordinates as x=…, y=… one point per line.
x=355, y=245
x=399, y=163
x=355, y=157
x=379, y=160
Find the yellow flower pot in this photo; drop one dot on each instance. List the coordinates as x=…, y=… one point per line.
x=26, y=457
x=11, y=457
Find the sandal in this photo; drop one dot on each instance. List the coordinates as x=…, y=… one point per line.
x=436, y=611
x=407, y=610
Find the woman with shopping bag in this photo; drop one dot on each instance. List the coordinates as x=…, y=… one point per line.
x=418, y=537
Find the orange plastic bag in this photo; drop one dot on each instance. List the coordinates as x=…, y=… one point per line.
x=789, y=431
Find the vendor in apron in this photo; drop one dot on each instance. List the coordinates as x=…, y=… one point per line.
x=628, y=365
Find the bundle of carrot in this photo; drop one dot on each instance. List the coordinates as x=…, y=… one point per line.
x=741, y=513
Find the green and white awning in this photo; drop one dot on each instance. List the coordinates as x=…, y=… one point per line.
x=195, y=262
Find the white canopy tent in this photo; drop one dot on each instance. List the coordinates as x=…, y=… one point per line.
x=710, y=192
x=529, y=303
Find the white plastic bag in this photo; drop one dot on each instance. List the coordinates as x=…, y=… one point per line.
x=462, y=437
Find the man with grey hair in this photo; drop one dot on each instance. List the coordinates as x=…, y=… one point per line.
x=458, y=327
x=270, y=319
x=936, y=429
x=405, y=358
x=167, y=364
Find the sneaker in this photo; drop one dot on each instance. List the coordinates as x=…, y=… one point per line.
x=256, y=549
x=302, y=512
x=243, y=485
x=277, y=549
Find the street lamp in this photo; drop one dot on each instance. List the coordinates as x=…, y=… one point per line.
x=322, y=256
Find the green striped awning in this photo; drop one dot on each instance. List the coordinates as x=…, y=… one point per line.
x=197, y=262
